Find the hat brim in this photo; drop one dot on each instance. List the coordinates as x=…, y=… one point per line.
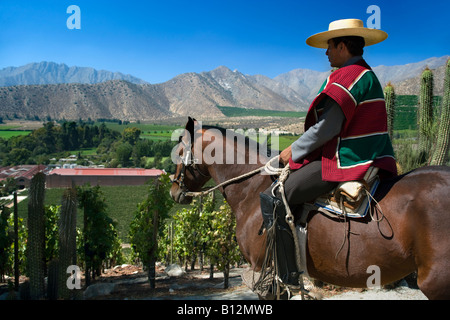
x=371, y=36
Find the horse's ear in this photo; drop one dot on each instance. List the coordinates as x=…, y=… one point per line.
x=192, y=120
x=190, y=127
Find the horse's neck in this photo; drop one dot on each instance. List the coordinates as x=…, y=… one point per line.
x=245, y=189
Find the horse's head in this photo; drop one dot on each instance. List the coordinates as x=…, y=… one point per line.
x=189, y=174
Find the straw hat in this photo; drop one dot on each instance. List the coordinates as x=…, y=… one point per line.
x=346, y=27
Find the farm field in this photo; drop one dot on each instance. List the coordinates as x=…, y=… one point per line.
x=406, y=115
x=244, y=112
x=7, y=134
x=9, y=131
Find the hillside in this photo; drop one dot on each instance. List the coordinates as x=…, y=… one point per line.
x=194, y=94
x=412, y=86
x=108, y=100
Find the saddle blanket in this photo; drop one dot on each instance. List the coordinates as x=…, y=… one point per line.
x=357, y=209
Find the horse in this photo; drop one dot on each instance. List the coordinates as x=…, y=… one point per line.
x=412, y=236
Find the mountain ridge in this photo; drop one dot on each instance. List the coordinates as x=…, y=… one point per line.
x=195, y=94
x=45, y=72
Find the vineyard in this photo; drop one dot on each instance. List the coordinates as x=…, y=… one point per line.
x=96, y=228
x=201, y=233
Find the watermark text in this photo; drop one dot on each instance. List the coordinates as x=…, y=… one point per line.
x=74, y=20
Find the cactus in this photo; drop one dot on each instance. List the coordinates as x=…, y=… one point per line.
x=67, y=241
x=440, y=154
x=52, y=282
x=36, y=236
x=425, y=117
x=389, y=96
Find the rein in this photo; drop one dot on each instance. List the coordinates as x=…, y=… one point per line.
x=267, y=167
x=190, y=163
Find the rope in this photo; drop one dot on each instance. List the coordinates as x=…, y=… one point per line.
x=377, y=205
x=267, y=167
x=283, y=174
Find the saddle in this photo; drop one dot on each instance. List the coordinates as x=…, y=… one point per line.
x=351, y=198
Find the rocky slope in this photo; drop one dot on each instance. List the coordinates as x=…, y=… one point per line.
x=57, y=91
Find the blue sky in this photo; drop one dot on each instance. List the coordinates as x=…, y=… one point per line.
x=157, y=40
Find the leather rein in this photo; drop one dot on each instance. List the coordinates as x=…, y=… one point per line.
x=190, y=163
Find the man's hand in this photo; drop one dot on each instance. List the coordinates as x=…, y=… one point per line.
x=285, y=155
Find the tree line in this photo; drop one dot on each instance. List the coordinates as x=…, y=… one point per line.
x=43, y=143
x=113, y=149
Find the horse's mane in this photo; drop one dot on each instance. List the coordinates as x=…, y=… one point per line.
x=241, y=138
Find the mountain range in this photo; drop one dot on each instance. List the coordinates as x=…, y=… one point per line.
x=57, y=91
x=54, y=73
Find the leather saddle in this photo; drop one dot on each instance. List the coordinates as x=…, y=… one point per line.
x=350, y=198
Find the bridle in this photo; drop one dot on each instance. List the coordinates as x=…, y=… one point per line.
x=189, y=162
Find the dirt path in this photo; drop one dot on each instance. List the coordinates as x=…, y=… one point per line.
x=131, y=283
x=400, y=293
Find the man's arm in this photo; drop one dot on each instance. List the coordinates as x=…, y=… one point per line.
x=328, y=126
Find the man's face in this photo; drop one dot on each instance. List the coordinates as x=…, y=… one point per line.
x=336, y=55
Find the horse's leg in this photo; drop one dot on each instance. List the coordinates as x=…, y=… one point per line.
x=431, y=222
x=433, y=255
x=432, y=281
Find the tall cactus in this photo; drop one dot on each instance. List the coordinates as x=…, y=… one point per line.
x=440, y=154
x=36, y=236
x=389, y=96
x=67, y=240
x=425, y=116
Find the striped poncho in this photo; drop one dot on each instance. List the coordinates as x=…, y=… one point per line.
x=363, y=141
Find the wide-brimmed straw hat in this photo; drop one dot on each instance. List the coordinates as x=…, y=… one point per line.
x=346, y=27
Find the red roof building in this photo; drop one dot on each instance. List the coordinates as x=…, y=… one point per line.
x=63, y=178
x=21, y=174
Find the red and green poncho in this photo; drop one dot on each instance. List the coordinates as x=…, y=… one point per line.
x=363, y=141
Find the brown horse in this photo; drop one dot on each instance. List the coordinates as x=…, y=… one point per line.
x=412, y=236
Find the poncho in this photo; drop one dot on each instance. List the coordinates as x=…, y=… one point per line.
x=364, y=140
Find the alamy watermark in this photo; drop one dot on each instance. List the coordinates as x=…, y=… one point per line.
x=374, y=280
x=74, y=20
x=231, y=147
x=74, y=281
x=374, y=20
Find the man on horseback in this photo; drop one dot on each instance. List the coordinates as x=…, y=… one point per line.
x=345, y=133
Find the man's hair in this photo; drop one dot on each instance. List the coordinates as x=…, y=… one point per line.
x=354, y=44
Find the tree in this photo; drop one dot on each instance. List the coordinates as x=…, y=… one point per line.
x=201, y=229
x=147, y=225
x=99, y=230
x=131, y=135
x=187, y=238
x=19, y=155
x=223, y=246
x=123, y=153
x=52, y=215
